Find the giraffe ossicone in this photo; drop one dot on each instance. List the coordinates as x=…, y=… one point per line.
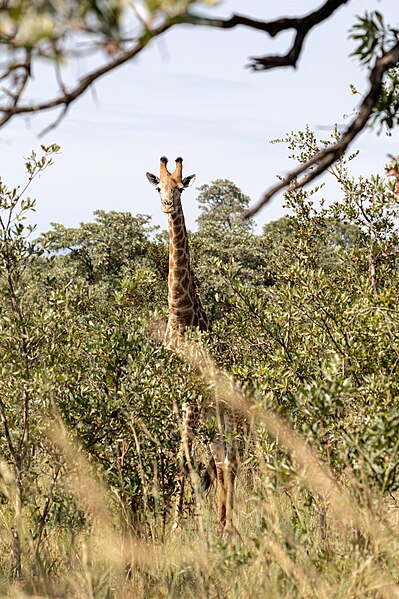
x=170, y=185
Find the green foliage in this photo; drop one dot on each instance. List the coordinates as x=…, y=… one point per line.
x=104, y=251
x=375, y=37
x=386, y=109
x=222, y=203
x=103, y=364
x=223, y=238
x=22, y=341
x=304, y=323
x=319, y=344
x=53, y=20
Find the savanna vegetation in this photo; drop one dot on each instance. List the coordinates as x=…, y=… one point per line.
x=304, y=341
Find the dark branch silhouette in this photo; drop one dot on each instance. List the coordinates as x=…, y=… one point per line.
x=302, y=26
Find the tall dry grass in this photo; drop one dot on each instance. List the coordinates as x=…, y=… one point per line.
x=306, y=538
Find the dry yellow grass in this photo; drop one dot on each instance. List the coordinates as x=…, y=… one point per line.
x=264, y=558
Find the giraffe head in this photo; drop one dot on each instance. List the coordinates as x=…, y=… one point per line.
x=170, y=185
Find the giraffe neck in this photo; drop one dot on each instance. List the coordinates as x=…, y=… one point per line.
x=180, y=284
x=185, y=307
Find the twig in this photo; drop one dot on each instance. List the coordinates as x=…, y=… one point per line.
x=7, y=433
x=46, y=508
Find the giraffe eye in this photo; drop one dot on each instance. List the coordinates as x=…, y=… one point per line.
x=158, y=189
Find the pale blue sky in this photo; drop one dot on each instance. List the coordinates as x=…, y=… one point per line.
x=189, y=94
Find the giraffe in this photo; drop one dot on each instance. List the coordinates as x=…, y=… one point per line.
x=185, y=305
x=186, y=311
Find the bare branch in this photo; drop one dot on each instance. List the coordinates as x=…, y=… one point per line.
x=278, y=60
x=49, y=500
x=21, y=78
x=24, y=440
x=326, y=157
x=56, y=121
x=12, y=68
x=3, y=416
x=302, y=26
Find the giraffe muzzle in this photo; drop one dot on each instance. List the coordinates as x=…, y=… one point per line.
x=167, y=206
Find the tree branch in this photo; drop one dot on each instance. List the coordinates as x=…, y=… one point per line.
x=3, y=416
x=326, y=157
x=302, y=26
x=43, y=517
x=66, y=98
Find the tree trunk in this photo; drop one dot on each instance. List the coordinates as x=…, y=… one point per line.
x=16, y=528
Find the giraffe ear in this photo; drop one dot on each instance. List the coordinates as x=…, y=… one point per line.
x=153, y=179
x=187, y=181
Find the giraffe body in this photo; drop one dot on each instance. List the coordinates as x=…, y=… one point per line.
x=186, y=312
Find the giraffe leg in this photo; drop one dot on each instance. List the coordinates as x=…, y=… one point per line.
x=179, y=497
x=221, y=497
x=230, y=464
x=217, y=454
x=184, y=457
